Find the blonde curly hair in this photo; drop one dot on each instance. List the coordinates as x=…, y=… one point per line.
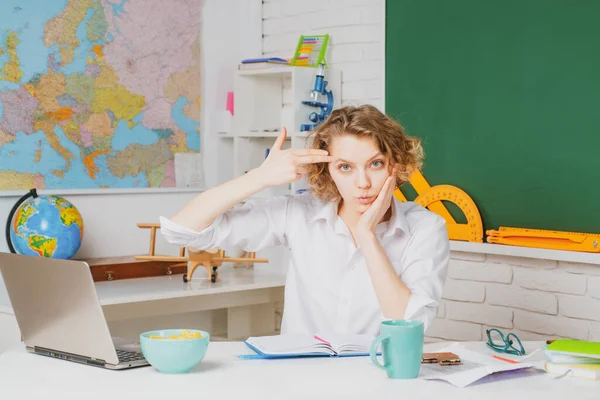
x=366, y=121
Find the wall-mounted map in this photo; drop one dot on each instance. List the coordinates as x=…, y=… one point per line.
x=97, y=93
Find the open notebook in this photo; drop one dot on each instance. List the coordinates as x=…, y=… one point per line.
x=319, y=345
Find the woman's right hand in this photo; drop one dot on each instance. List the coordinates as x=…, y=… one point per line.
x=284, y=166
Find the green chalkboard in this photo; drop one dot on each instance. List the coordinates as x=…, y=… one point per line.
x=505, y=95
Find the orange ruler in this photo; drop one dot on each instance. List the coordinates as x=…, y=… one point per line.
x=547, y=239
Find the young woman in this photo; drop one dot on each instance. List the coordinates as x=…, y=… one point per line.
x=357, y=255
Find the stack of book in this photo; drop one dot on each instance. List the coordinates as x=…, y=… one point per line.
x=576, y=358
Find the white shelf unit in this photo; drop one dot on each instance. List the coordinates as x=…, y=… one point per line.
x=265, y=100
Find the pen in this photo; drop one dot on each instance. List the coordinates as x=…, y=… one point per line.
x=505, y=359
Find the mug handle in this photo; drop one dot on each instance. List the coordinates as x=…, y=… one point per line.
x=373, y=350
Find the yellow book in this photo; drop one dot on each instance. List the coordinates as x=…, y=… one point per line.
x=585, y=371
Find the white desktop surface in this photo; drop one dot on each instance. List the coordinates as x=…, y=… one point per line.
x=222, y=375
x=261, y=276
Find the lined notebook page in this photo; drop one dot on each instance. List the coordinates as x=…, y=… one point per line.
x=343, y=343
x=289, y=344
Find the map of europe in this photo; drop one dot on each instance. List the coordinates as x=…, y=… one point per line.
x=97, y=93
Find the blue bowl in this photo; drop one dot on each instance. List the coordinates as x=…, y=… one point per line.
x=174, y=356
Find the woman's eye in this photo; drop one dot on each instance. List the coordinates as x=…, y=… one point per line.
x=344, y=167
x=377, y=164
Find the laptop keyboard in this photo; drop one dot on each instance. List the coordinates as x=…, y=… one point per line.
x=127, y=356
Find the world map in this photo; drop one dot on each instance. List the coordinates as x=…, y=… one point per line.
x=97, y=93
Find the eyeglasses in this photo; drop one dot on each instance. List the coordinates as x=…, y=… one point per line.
x=504, y=344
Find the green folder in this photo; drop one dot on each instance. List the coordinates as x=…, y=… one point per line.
x=568, y=351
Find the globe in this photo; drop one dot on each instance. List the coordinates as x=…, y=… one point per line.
x=44, y=226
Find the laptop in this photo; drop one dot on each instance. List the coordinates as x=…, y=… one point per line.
x=59, y=314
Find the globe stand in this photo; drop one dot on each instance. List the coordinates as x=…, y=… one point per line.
x=11, y=214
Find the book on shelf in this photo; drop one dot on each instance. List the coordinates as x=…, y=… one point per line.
x=260, y=63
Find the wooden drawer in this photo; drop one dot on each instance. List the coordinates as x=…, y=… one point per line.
x=116, y=268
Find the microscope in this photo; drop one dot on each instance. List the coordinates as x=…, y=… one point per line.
x=320, y=89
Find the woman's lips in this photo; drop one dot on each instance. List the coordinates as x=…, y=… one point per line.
x=365, y=199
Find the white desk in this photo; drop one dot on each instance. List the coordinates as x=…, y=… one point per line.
x=222, y=375
x=164, y=289
x=261, y=276
x=248, y=295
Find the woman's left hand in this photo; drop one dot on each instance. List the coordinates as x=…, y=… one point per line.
x=373, y=215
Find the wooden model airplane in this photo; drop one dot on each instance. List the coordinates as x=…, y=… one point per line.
x=210, y=259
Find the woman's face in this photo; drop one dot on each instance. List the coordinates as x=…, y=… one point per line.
x=359, y=170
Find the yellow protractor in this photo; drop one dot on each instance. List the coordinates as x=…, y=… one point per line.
x=420, y=184
x=472, y=231
x=432, y=197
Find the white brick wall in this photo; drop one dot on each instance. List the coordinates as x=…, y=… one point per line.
x=577, y=268
x=478, y=271
x=552, y=325
x=515, y=297
x=594, y=331
x=356, y=45
x=535, y=299
x=464, y=291
x=580, y=307
x=593, y=287
x=479, y=313
x=559, y=281
x=454, y=330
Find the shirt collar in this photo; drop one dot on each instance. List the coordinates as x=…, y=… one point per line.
x=328, y=212
x=397, y=220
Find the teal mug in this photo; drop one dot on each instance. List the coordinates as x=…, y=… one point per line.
x=401, y=347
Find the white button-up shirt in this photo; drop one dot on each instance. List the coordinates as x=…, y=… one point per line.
x=328, y=286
